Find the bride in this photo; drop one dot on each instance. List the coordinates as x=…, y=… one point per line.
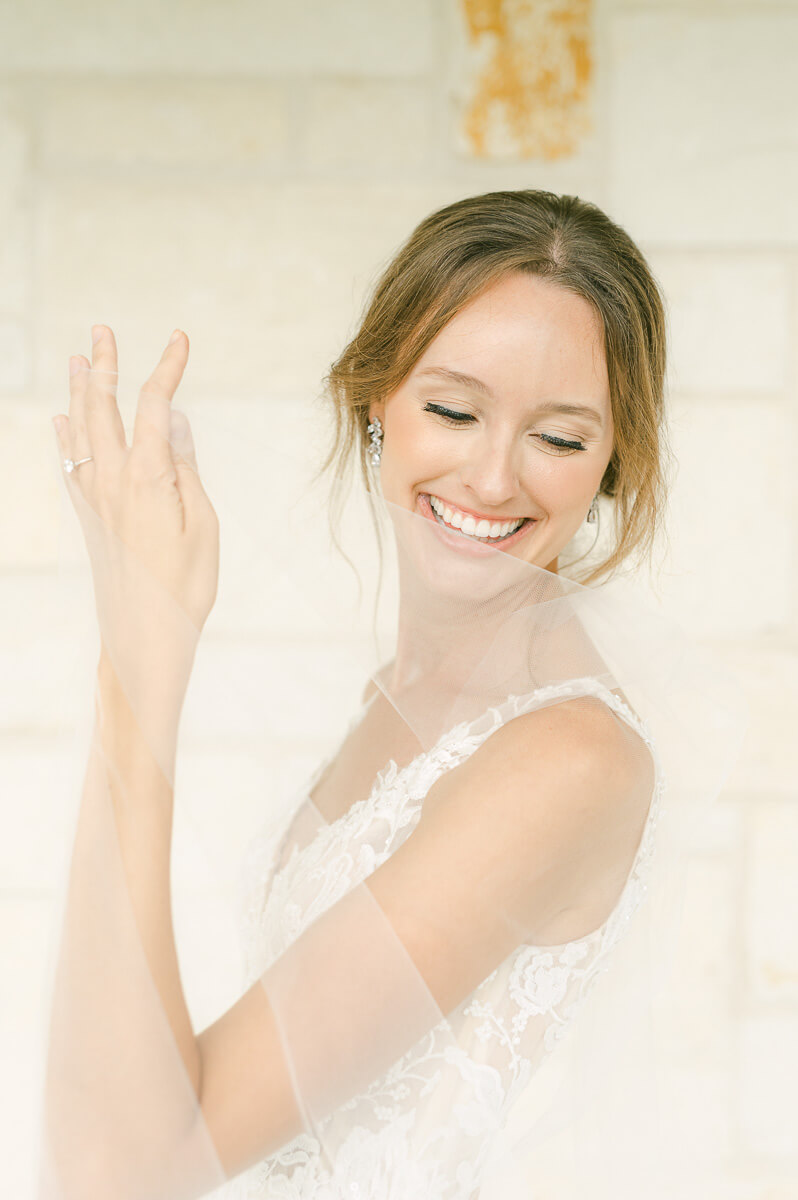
x=429, y=914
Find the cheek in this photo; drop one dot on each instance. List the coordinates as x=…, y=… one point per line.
x=417, y=448
x=562, y=484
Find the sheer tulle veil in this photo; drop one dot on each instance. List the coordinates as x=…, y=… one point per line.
x=277, y=678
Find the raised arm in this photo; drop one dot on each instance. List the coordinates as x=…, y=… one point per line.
x=123, y=1064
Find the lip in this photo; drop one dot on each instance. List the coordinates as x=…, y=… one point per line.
x=464, y=542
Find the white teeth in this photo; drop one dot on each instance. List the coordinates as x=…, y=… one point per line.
x=475, y=528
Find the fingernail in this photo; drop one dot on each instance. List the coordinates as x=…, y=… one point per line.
x=74, y=366
x=174, y=337
x=96, y=333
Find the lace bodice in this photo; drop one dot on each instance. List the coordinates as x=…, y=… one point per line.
x=424, y=1129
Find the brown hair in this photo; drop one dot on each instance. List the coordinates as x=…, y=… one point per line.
x=451, y=257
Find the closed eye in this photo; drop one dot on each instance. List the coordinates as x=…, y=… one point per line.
x=561, y=443
x=449, y=414
x=455, y=417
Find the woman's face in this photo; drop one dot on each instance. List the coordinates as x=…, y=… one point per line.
x=480, y=429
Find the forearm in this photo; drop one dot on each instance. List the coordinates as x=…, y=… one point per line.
x=143, y=800
x=116, y=1085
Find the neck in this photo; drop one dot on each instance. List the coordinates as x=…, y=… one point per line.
x=442, y=648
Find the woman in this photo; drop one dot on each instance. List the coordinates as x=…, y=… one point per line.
x=427, y=917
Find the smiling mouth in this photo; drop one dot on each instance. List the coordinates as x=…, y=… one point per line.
x=494, y=533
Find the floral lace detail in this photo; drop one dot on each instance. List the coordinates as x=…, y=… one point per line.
x=483, y=1054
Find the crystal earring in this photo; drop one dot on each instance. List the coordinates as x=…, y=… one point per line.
x=374, y=450
x=592, y=512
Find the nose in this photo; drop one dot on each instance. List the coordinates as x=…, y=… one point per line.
x=490, y=471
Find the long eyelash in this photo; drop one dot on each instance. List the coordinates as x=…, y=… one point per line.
x=455, y=418
x=460, y=418
x=547, y=437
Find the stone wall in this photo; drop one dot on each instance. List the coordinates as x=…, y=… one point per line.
x=242, y=170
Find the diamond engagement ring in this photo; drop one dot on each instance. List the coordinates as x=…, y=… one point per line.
x=70, y=464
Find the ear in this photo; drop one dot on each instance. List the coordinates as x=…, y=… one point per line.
x=377, y=409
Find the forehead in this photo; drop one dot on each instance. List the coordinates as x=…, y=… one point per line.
x=525, y=332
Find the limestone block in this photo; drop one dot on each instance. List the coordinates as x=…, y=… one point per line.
x=29, y=527
x=365, y=123
x=174, y=124
x=771, y=933
x=25, y=933
x=718, y=1181
x=15, y=146
x=15, y=206
x=244, y=36
x=697, y=1105
x=702, y=989
x=48, y=646
x=41, y=789
x=704, y=143
x=766, y=1087
x=769, y=678
x=25, y=950
x=720, y=832
x=731, y=502
x=16, y=258
x=15, y=360
x=729, y=321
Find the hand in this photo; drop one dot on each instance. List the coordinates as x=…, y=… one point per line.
x=151, y=531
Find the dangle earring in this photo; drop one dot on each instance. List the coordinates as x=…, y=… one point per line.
x=374, y=450
x=592, y=512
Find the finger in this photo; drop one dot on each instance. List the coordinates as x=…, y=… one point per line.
x=63, y=435
x=103, y=350
x=154, y=410
x=61, y=426
x=77, y=431
x=105, y=430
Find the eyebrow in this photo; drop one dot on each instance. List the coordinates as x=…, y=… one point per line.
x=478, y=385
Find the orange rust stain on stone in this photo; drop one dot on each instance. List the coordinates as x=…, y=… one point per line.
x=485, y=16
x=532, y=79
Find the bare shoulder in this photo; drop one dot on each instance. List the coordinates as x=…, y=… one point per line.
x=559, y=796
x=579, y=741
x=571, y=760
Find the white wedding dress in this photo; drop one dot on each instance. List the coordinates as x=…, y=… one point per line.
x=455, y=1094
